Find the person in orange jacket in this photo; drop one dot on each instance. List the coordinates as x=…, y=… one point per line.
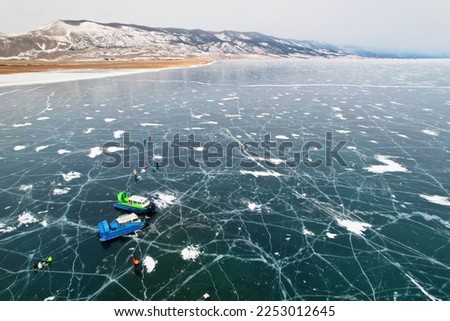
x=136, y=262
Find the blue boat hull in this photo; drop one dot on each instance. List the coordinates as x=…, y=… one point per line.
x=107, y=233
x=131, y=209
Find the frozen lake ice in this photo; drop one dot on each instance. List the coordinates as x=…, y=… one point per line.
x=375, y=229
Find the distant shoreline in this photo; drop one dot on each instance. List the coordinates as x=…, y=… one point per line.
x=14, y=67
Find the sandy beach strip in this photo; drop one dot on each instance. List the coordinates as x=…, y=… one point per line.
x=12, y=67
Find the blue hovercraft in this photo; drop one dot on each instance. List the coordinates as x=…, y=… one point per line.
x=122, y=225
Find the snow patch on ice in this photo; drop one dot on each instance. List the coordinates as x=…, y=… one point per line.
x=19, y=147
x=353, y=226
x=340, y=116
x=388, y=167
x=190, y=253
x=150, y=124
x=436, y=199
x=61, y=191
x=109, y=120
x=43, y=118
x=25, y=187
x=331, y=235
x=272, y=160
x=113, y=149
x=39, y=148
x=26, y=218
x=431, y=132
x=149, y=263
x=63, y=151
x=193, y=128
x=254, y=207
x=22, y=125
x=6, y=229
x=71, y=175
x=118, y=133
x=307, y=232
x=198, y=116
x=164, y=200
x=95, y=151
x=88, y=131
x=261, y=173
x=281, y=137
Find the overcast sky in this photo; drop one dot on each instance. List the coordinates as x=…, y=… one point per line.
x=401, y=25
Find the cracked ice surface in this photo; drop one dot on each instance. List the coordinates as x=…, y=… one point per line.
x=377, y=229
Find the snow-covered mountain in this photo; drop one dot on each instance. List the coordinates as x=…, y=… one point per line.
x=87, y=40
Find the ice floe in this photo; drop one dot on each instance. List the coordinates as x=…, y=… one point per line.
x=19, y=147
